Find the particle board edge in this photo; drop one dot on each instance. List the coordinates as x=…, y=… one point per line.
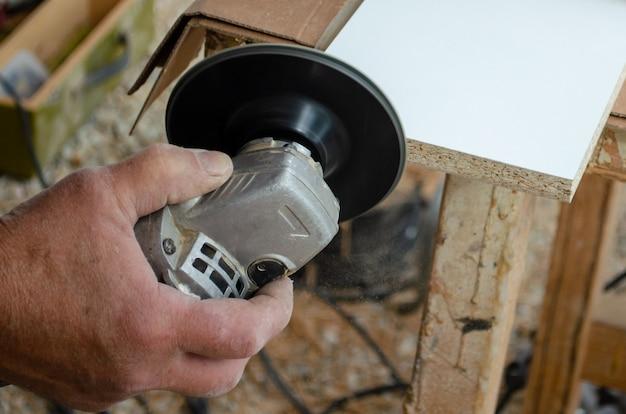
x=494, y=172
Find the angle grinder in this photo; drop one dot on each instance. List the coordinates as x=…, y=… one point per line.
x=313, y=141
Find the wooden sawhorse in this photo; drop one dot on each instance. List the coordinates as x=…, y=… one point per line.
x=477, y=268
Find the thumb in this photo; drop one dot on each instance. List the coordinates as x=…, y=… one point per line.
x=166, y=174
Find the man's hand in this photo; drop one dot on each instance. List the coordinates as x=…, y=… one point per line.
x=82, y=318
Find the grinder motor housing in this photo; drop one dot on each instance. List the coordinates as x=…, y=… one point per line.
x=269, y=219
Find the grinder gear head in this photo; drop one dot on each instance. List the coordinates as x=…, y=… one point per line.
x=313, y=142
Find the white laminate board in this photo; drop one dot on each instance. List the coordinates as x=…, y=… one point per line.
x=525, y=83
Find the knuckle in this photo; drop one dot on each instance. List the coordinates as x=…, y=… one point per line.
x=83, y=181
x=89, y=184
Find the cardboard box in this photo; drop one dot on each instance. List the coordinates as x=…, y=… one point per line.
x=223, y=23
x=86, y=44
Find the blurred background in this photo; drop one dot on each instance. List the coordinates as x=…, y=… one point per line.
x=351, y=344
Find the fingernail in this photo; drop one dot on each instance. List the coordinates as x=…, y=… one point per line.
x=215, y=163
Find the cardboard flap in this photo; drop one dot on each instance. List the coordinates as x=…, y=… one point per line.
x=619, y=109
x=186, y=49
x=162, y=52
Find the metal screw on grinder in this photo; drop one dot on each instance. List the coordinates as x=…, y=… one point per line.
x=265, y=270
x=169, y=247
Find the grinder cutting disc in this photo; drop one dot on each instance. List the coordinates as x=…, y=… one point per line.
x=298, y=94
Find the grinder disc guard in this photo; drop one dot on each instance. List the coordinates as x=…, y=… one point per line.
x=298, y=94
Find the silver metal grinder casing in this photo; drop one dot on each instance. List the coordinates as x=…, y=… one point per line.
x=269, y=219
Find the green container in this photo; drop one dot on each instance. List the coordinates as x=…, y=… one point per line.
x=84, y=77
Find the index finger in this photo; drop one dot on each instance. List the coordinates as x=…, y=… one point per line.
x=235, y=328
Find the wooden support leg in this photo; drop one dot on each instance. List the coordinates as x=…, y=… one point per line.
x=605, y=359
x=477, y=266
x=579, y=250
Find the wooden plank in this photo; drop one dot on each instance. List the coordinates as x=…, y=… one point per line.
x=605, y=363
x=579, y=250
x=610, y=156
x=610, y=306
x=531, y=97
x=477, y=267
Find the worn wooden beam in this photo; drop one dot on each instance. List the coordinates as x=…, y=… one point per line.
x=605, y=363
x=578, y=254
x=477, y=267
x=610, y=156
